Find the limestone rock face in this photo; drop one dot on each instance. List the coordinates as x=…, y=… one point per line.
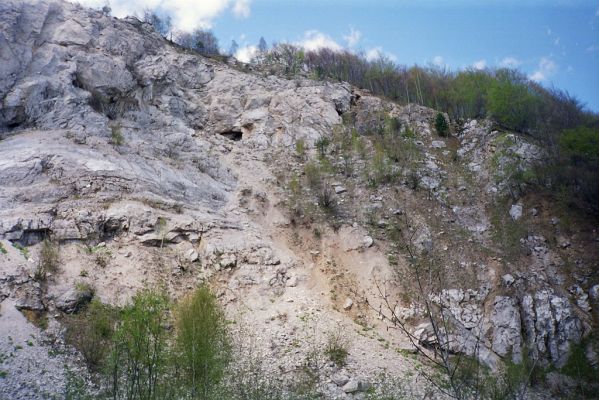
x=151, y=165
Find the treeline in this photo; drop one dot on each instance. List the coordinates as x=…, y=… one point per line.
x=557, y=120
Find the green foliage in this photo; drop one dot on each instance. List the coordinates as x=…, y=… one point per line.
x=116, y=135
x=336, y=349
x=24, y=250
x=2, y=249
x=389, y=388
x=313, y=174
x=49, y=259
x=139, y=353
x=75, y=387
x=511, y=102
x=91, y=332
x=322, y=144
x=580, y=144
x=441, y=125
x=300, y=148
x=579, y=367
x=202, y=344
x=467, y=94
x=327, y=200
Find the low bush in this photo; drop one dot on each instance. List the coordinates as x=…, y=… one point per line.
x=49, y=259
x=336, y=349
x=441, y=125
x=91, y=332
x=116, y=135
x=327, y=199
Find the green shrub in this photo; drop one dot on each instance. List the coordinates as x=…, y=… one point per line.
x=511, y=102
x=580, y=144
x=49, y=260
x=300, y=148
x=2, y=249
x=441, y=125
x=313, y=174
x=202, y=343
x=139, y=355
x=91, y=332
x=116, y=135
x=327, y=199
x=322, y=144
x=24, y=250
x=336, y=349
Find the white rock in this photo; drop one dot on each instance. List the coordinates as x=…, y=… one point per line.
x=508, y=279
x=438, y=144
x=368, y=241
x=348, y=304
x=340, y=189
x=516, y=211
x=291, y=282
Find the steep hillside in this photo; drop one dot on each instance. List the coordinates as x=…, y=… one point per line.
x=313, y=210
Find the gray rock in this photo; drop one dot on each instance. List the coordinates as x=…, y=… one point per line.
x=292, y=281
x=73, y=299
x=505, y=319
x=192, y=255
x=340, y=379
x=347, y=305
x=516, y=211
x=438, y=144
x=340, y=189
x=508, y=279
x=355, y=385
x=594, y=292
x=367, y=241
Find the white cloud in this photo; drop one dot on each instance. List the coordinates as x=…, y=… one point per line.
x=480, y=64
x=245, y=54
x=438, y=61
x=509, y=62
x=556, y=41
x=315, y=40
x=376, y=53
x=597, y=12
x=186, y=14
x=546, y=69
x=593, y=48
x=548, y=31
x=353, y=38
x=241, y=9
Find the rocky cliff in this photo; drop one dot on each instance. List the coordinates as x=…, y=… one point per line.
x=151, y=165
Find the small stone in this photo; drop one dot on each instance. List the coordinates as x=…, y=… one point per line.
x=368, y=241
x=594, y=292
x=192, y=255
x=352, y=386
x=438, y=144
x=348, y=304
x=508, y=279
x=340, y=189
x=563, y=242
x=340, y=379
x=516, y=212
x=534, y=212
x=291, y=282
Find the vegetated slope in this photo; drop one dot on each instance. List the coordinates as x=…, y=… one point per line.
x=312, y=208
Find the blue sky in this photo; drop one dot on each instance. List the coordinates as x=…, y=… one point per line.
x=555, y=42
